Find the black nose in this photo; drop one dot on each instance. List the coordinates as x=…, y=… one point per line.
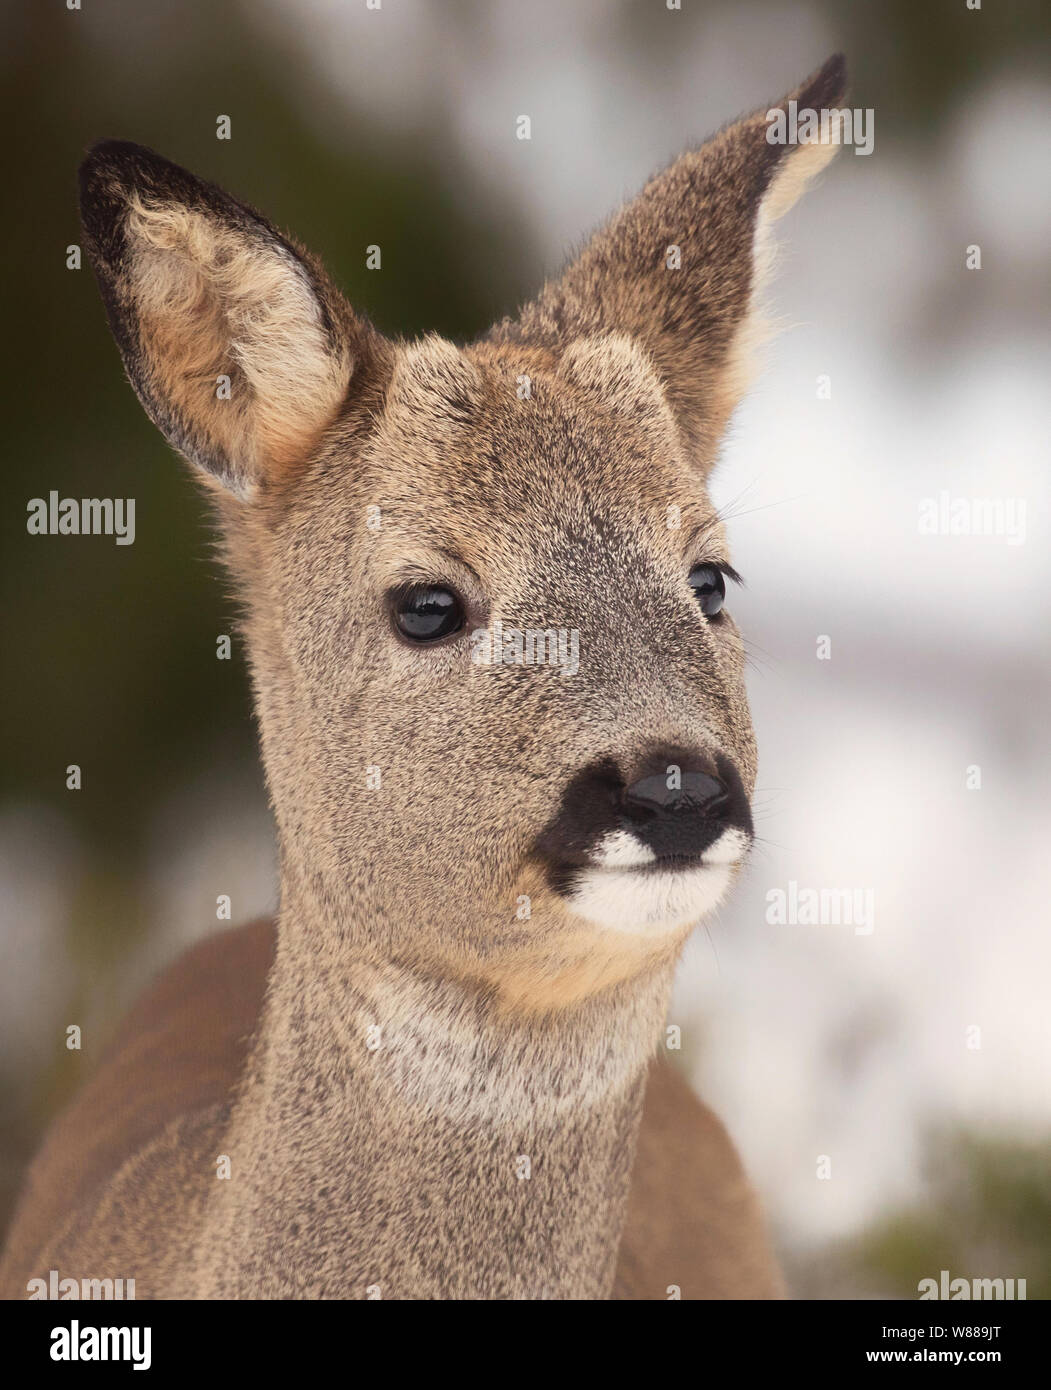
x=682, y=802
x=674, y=792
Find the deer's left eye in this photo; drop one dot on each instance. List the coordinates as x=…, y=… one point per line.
x=709, y=587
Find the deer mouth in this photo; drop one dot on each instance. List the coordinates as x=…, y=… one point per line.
x=624, y=889
x=622, y=852
x=653, y=902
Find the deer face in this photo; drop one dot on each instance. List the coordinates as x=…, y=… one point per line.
x=509, y=686
x=499, y=683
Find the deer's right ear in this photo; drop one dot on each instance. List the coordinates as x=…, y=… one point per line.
x=235, y=341
x=679, y=270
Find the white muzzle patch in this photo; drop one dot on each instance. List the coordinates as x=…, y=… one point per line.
x=626, y=892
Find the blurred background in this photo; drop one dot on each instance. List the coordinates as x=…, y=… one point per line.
x=888, y=1138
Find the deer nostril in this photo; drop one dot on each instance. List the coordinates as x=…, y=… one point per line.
x=694, y=792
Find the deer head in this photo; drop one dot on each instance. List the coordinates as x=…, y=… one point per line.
x=501, y=699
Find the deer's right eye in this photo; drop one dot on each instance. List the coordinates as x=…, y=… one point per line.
x=427, y=613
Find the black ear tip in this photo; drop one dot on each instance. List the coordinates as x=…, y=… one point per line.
x=829, y=84
x=118, y=164
x=113, y=170
x=110, y=173
x=106, y=175
x=113, y=150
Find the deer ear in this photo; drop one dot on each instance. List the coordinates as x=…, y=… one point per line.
x=679, y=269
x=236, y=343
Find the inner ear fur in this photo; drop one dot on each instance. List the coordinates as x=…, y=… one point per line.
x=199, y=288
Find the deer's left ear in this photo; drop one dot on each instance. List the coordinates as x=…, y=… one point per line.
x=237, y=344
x=678, y=269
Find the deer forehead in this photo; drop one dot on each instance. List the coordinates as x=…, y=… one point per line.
x=490, y=450
x=438, y=390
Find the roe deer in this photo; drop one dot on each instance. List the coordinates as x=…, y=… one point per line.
x=433, y=1076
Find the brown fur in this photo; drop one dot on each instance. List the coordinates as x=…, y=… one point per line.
x=485, y=1141
x=692, y=1219
x=700, y=324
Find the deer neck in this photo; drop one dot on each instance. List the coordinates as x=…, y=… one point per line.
x=401, y=1135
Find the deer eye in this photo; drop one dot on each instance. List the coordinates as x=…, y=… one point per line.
x=709, y=588
x=425, y=613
